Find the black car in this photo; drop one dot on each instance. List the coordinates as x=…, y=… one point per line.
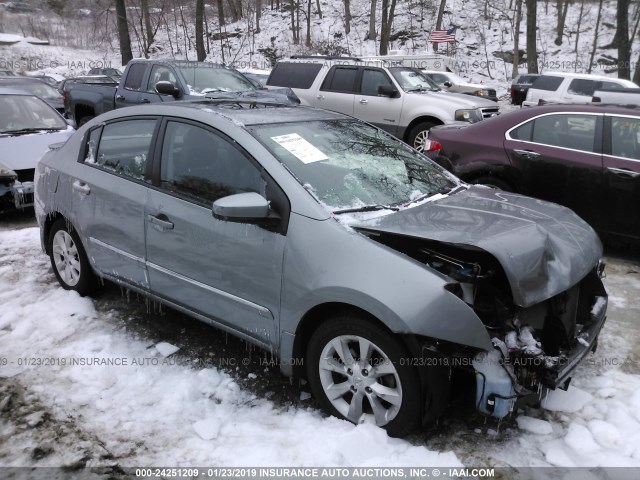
x=520, y=86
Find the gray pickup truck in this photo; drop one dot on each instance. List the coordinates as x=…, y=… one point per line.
x=153, y=81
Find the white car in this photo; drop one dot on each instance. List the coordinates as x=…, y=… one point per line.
x=454, y=83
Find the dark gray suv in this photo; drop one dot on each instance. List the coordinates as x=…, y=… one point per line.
x=360, y=264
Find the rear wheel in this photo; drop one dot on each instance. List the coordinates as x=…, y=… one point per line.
x=84, y=120
x=359, y=372
x=419, y=135
x=69, y=260
x=493, y=182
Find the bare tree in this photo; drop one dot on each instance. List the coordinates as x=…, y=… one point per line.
x=144, y=11
x=443, y=4
x=622, y=39
x=388, y=12
x=258, y=15
x=123, y=32
x=200, y=52
x=595, y=37
x=294, y=28
x=561, y=6
x=220, y=12
x=516, y=40
x=371, y=34
x=320, y=9
x=308, y=39
x=347, y=16
x=532, y=45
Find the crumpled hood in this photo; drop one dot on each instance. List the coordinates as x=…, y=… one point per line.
x=543, y=248
x=21, y=152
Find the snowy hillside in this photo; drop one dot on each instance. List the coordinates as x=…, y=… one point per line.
x=484, y=36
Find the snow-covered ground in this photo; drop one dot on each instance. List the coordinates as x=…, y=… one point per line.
x=98, y=382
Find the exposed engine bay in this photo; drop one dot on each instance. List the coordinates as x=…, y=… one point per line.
x=535, y=347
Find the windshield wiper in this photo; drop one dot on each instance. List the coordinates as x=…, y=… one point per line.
x=28, y=130
x=366, y=208
x=441, y=191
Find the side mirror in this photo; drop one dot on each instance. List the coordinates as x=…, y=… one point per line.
x=448, y=84
x=167, y=88
x=388, y=91
x=241, y=207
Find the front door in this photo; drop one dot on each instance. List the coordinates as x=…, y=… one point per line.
x=227, y=271
x=382, y=111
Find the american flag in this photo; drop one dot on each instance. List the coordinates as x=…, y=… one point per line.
x=443, y=36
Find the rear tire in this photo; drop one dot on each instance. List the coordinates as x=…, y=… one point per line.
x=359, y=372
x=84, y=120
x=419, y=135
x=69, y=260
x=493, y=182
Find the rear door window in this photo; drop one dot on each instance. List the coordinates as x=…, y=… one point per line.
x=547, y=82
x=582, y=86
x=573, y=131
x=341, y=79
x=625, y=137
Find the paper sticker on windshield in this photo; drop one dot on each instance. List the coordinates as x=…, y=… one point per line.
x=300, y=148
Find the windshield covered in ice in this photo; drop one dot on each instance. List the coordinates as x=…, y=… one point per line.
x=203, y=78
x=412, y=79
x=350, y=165
x=24, y=113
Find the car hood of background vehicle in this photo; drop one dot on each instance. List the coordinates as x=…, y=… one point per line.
x=279, y=95
x=24, y=151
x=543, y=248
x=464, y=101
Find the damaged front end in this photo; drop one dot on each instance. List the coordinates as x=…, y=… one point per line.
x=536, y=347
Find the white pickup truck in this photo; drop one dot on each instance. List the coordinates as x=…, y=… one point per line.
x=398, y=99
x=628, y=96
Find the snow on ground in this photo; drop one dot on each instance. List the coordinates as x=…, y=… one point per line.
x=145, y=408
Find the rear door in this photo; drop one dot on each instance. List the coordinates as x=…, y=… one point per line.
x=560, y=159
x=108, y=192
x=230, y=272
x=382, y=111
x=128, y=94
x=622, y=174
x=338, y=90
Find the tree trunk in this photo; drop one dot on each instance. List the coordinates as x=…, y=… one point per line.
x=144, y=9
x=636, y=75
x=294, y=30
x=622, y=35
x=308, y=39
x=371, y=34
x=347, y=17
x=220, y=13
x=384, y=42
x=319, y=9
x=595, y=37
x=443, y=4
x=123, y=32
x=201, y=54
x=562, y=7
x=516, y=40
x=579, y=25
x=258, y=15
x=532, y=51
x=234, y=11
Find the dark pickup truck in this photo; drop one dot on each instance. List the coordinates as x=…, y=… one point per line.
x=152, y=81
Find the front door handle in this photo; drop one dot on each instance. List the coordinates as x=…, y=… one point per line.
x=119, y=97
x=145, y=100
x=363, y=101
x=81, y=187
x=526, y=153
x=624, y=172
x=160, y=223
x=320, y=97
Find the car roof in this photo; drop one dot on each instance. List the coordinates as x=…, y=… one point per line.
x=16, y=80
x=10, y=91
x=240, y=112
x=586, y=76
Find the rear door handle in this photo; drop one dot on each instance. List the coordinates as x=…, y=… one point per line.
x=145, y=100
x=160, y=223
x=320, y=97
x=119, y=97
x=526, y=153
x=624, y=172
x=81, y=187
x=363, y=101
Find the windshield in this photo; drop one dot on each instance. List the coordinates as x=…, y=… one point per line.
x=411, y=80
x=39, y=89
x=204, y=78
x=24, y=112
x=346, y=164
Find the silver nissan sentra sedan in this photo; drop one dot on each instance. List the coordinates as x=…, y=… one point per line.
x=367, y=269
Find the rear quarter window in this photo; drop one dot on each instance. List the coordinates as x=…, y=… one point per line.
x=294, y=75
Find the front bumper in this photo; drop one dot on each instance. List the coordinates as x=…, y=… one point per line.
x=18, y=195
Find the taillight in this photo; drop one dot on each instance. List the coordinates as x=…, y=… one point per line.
x=513, y=92
x=64, y=96
x=432, y=146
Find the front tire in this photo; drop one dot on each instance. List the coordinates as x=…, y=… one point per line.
x=69, y=260
x=419, y=135
x=360, y=372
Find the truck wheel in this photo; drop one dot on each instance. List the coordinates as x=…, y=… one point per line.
x=493, y=182
x=357, y=371
x=84, y=120
x=419, y=135
x=69, y=260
